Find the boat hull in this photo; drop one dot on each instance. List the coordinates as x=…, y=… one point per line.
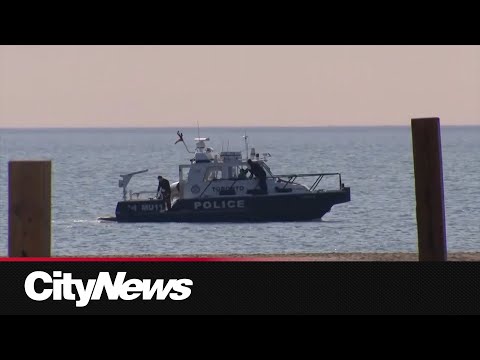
x=257, y=208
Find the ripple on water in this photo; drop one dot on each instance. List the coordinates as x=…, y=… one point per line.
x=375, y=162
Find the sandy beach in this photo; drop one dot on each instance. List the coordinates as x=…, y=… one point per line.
x=357, y=256
x=354, y=256
x=454, y=256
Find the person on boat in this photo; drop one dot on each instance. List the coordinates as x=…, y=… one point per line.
x=164, y=189
x=242, y=174
x=257, y=171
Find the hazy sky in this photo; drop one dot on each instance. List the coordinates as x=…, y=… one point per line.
x=76, y=86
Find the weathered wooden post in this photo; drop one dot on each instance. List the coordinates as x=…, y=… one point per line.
x=427, y=159
x=29, y=208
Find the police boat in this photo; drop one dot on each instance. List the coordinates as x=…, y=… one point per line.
x=214, y=188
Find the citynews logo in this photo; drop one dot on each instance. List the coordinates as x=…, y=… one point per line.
x=131, y=289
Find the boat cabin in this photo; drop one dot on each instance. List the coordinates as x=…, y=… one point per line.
x=211, y=175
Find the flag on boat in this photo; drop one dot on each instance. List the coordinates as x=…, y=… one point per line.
x=180, y=137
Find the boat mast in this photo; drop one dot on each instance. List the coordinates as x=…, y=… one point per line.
x=245, y=137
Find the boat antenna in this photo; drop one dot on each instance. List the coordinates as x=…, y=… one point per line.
x=180, y=139
x=198, y=128
x=245, y=137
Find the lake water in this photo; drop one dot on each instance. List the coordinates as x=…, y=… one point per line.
x=376, y=162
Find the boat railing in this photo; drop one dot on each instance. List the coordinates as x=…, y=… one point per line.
x=125, y=179
x=286, y=180
x=290, y=179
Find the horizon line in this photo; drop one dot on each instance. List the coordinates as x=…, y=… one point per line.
x=218, y=127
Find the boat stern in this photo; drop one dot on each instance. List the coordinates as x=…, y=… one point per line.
x=344, y=195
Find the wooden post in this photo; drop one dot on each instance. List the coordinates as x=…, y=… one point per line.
x=427, y=160
x=29, y=208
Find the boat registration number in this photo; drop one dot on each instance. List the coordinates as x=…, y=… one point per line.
x=146, y=207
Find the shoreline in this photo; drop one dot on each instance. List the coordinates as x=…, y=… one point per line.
x=353, y=256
